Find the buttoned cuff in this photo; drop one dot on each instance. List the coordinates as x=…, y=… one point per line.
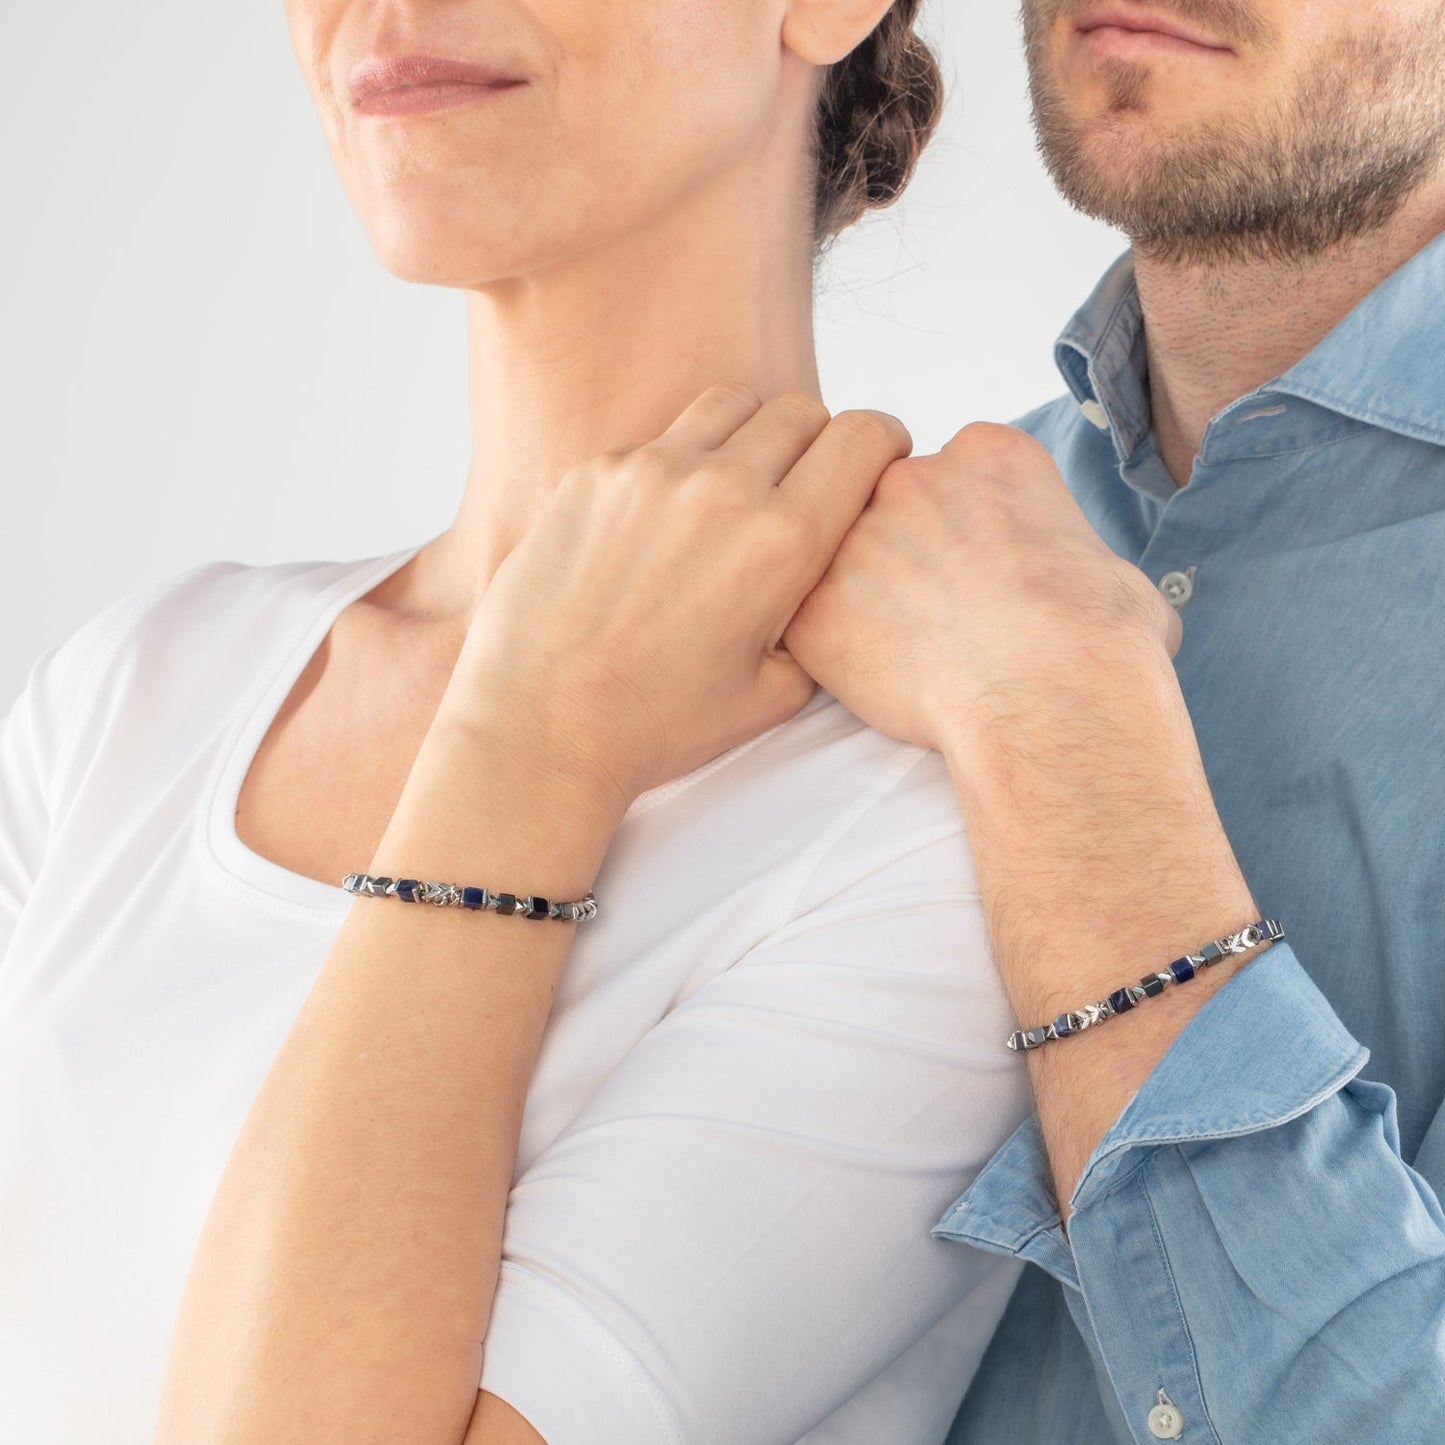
x=1266, y=1049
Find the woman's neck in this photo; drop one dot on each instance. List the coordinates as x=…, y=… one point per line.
x=603, y=352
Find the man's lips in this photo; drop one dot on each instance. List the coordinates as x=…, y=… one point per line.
x=1131, y=26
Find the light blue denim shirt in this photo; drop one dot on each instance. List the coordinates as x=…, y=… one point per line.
x=1260, y=1236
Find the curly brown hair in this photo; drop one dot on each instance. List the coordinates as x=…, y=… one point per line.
x=878, y=109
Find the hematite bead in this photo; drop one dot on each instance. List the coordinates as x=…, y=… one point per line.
x=380, y=885
x=1153, y=986
x=1037, y=1036
x=506, y=902
x=540, y=908
x=406, y=889
x=1063, y=1026
x=1182, y=970
x=1120, y=1001
x=474, y=897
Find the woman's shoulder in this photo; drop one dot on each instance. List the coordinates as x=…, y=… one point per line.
x=208, y=594
x=815, y=808
x=167, y=654
x=195, y=621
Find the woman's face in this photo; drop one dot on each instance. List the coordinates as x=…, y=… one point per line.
x=623, y=110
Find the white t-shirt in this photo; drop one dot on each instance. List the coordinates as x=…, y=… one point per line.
x=776, y=1056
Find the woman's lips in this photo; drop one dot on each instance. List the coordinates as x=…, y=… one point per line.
x=408, y=84
x=413, y=99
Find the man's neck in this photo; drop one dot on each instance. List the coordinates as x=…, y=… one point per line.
x=1217, y=331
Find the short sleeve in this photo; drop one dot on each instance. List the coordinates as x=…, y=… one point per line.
x=731, y=1242
x=37, y=737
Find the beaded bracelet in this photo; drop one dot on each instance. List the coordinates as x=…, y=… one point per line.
x=1267, y=930
x=412, y=890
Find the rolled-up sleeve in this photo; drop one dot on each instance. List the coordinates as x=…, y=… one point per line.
x=1247, y=1239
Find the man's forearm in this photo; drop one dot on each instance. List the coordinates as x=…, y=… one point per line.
x=1100, y=857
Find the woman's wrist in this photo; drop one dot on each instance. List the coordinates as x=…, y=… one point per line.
x=493, y=806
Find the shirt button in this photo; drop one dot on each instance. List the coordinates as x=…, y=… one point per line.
x=1095, y=414
x=1166, y=1422
x=1178, y=587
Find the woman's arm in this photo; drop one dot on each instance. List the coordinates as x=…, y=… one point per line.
x=344, y=1278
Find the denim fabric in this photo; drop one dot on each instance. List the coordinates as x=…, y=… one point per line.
x=1260, y=1236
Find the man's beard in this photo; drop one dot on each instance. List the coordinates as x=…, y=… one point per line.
x=1362, y=128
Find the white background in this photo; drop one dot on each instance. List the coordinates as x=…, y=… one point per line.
x=204, y=360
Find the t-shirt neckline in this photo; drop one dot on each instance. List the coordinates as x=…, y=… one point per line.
x=265, y=882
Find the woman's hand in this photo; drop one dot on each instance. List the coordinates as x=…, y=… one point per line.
x=634, y=631
x=971, y=587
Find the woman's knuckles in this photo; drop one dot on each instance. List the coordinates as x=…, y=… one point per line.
x=799, y=411
x=729, y=393
x=872, y=431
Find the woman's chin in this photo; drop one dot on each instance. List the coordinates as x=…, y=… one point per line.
x=446, y=263
x=441, y=251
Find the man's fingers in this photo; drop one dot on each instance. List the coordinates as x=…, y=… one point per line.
x=829, y=487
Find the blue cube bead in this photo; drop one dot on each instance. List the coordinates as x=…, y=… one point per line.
x=1120, y=1001
x=406, y=888
x=1182, y=970
x=1063, y=1026
x=540, y=908
x=474, y=897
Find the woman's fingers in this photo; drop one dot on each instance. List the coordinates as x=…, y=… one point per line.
x=772, y=442
x=655, y=583
x=713, y=419
x=827, y=490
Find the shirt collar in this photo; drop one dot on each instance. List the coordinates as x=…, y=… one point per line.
x=1378, y=366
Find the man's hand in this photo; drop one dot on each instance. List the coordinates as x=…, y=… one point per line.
x=974, y=610
x=971, y=577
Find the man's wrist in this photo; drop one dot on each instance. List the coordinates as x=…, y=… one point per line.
x=1099, y=850
x=1094, y=695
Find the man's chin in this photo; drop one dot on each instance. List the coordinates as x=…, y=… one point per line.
x=1102, y=167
